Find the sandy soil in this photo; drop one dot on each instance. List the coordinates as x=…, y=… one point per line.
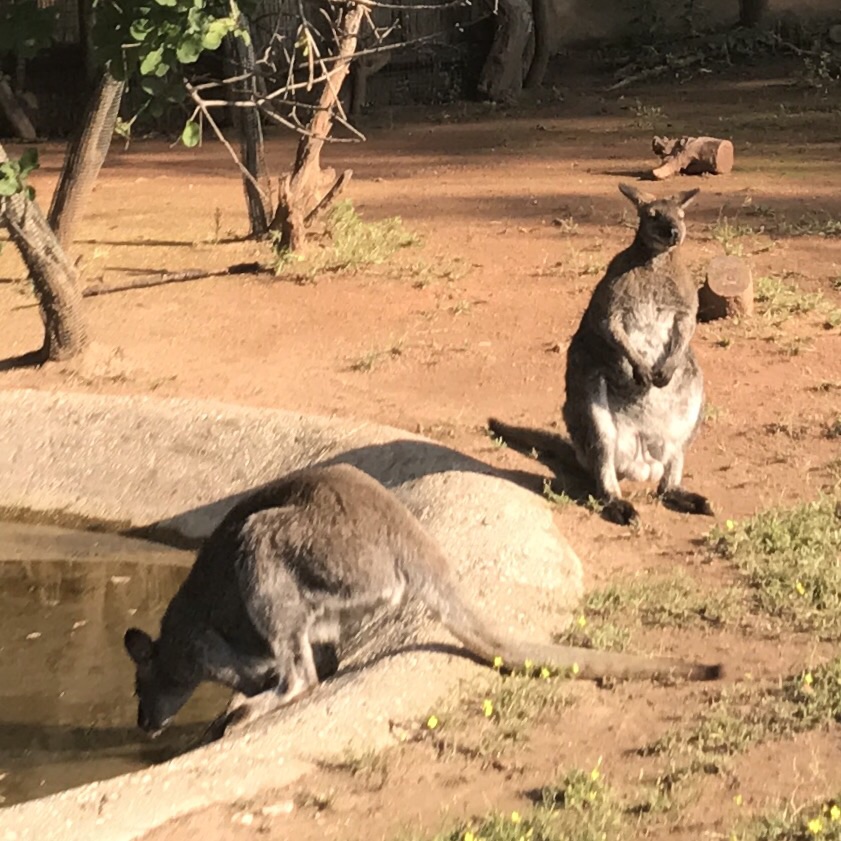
x=518, y=213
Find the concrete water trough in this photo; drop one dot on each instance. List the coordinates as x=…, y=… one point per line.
x=168, y=470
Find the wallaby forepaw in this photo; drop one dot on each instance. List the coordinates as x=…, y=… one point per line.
x=216, y=729
x=687, y=502
x=660, y=378
x=621, y=512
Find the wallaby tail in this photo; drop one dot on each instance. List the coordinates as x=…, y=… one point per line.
x=489, y=644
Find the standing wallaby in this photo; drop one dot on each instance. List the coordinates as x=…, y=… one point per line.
x=634, y=391
x=281, y=572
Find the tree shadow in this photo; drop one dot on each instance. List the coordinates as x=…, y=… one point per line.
x=639, y=174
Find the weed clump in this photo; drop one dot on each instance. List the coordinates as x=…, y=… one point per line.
x=348, y=243
x=579, y=807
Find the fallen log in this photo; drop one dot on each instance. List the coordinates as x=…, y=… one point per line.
x=692, y=156
x=145, y=281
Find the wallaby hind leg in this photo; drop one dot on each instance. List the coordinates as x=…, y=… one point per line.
x=602, y=455
x=300, y=676
x=676, y=498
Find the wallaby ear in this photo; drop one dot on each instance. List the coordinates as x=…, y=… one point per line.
x=637, y=197
x=686, y=198
x=139, y=645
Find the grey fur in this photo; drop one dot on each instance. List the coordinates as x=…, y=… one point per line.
x=281, y=576
x=634, y=391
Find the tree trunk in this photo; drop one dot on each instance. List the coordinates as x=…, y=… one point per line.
x=542, y=50
x=502, y=76
x=10, y=106
x=362, y=69
x=84, y=159
x=53, y=275
x=751, y=12
x=308, y=189
x=249, y=126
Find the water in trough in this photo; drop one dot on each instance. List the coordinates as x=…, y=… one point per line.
x=67, y=709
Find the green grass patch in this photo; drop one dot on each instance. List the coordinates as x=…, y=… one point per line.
x=779, y=299
x=818, y=821
x=492, y=715
x=745, y=716
x=789, y=560
x=580, y=807
x=663, y=601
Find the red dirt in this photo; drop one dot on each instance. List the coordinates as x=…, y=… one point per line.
x=479, y=316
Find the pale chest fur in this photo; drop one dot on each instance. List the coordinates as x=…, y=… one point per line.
x=649, y=327
x=656, y=295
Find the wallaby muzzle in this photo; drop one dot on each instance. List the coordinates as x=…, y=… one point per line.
x=151, y=728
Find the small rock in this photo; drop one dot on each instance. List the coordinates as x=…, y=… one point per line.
x=244, y=818
x=34, y=635
x=285, y=807
x=120, y=579
x=80, y=624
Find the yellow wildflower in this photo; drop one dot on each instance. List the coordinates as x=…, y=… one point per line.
x=432, y=722
x=730, y=525
x=488, y=707
x=808, y=679
x=575, y=668
x=582, y=621
x=594, y=774
x=815, y=826
x=798, y=585
x=545, y=673
x=469, y=836
x=497, y=662
x=529, y=664
x=835, y=813
x=515, y=817
x=738, y=799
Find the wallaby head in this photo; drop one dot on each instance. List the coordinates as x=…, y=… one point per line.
x=159, y=695
x=661, y=220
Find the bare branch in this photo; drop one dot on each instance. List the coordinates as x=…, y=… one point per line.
x=222, y=139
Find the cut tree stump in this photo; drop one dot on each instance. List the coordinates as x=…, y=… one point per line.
x=692, y=156
x=727, y=291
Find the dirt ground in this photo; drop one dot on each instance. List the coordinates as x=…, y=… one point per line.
x=518, y=213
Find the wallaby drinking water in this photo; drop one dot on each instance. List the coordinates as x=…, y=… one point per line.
x=634, y=391
x=275, y=579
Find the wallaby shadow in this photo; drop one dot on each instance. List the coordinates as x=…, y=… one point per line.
x=31, y=359
x=553, y=451
x=393, y=464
